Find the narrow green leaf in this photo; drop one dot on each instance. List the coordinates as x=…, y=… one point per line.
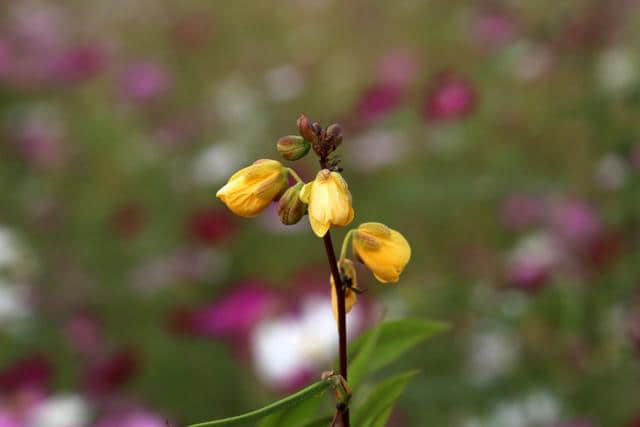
x=359, y=367
x=320, y=422
x=281, y=404
x=296, y=416
x=396, y=338
x=381, y=399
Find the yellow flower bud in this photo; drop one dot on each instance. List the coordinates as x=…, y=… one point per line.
x=329, y=202
x=383, y=250
x=250, y=190
x=347, y=269
x=290, y=207
x=293, y=147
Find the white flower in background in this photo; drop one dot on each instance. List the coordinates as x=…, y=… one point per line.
x=271, y=222
x=611, y=172
x=13, y=304
x=541, y=408
x=617, y=70
x=60, y=411
x=9, y=248
x=508, y=414
x=530, y=61
x=235, y=102
x=284, y=82
x=216, y=163
x=492, y=354
x=377, y=148
x=291, y=345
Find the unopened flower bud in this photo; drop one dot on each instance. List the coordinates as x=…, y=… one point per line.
x=334, y=134
x=290, y=208
x=250, y=190
x=293, y=147
x=306, y=129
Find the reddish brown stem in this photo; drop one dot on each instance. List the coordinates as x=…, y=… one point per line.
x=342, y=316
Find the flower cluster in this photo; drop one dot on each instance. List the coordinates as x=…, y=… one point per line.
x=326, y=201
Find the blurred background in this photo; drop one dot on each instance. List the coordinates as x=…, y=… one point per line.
x=501, y=137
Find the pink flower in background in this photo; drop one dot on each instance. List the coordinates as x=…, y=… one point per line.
x=575, y=223
x=449, y=97
x=233, y=315
x=84, y=334
x=133, y=418
x=577, y=423
x=397, y=67
x=79, y=63
x=39, y=140
x=519, y=211
x=144, y=81
x=210, y=225
x=8, y=420
x=6, y=57
x=35, y=32
x=128, y=220
x=493, y=28
x=635, y=157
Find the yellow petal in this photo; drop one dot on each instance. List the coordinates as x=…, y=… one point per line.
x=383, y=250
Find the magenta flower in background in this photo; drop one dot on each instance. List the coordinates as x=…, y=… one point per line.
x=79, y=63
x=107, y=374
x=532, y=262
x=134, y=418
x=519, y=211
x=233, y=315
x=493, y=28
x=376, y=102
x=449, y=97
x=210, y=225
x=32, y=373
x=144, y=81
x=396, y=71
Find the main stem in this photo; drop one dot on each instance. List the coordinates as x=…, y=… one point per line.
x=342, y=315
x=342, y=312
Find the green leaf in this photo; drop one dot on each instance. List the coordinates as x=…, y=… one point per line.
x=360, y=365
x=381, y=420
x=377, y=407
x=296, y=416
x=394, y=338
x=280, y=405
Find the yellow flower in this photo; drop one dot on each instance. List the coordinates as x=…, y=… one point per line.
x=329, y=202
x=383, y=250
x=250, y=190
x=350, y=296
